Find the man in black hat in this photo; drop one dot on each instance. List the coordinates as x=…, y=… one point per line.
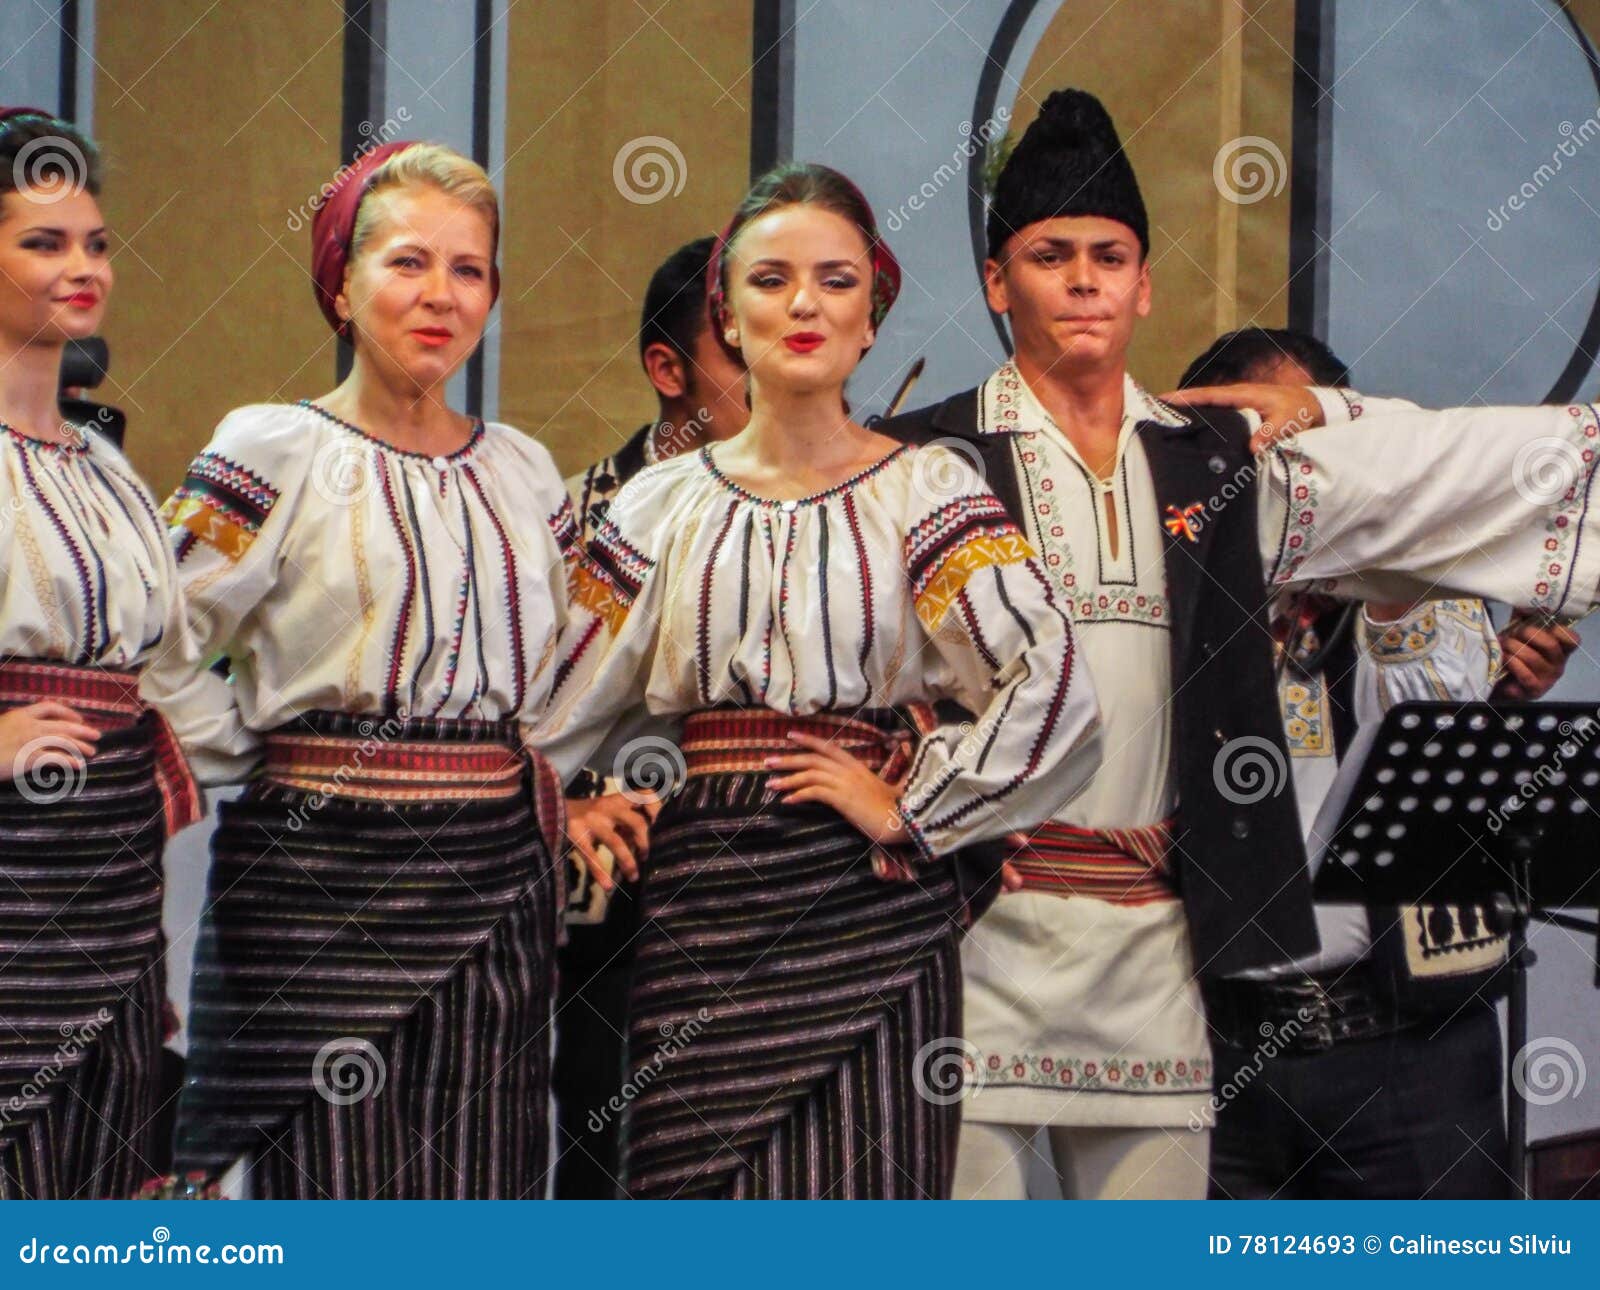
x=1163, y=530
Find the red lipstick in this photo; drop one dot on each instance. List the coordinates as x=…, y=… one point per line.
x=803, y=342
x=434, y=336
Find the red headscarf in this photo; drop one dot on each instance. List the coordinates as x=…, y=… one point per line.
x=885, y=270
x=335, y=222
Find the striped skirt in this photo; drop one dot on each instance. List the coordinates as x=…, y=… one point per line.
x=785, y=996
x=372, y=987
x=81, y=984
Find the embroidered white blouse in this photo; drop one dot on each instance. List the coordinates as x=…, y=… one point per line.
x=337, y=572
x=1083, y=1012
x=1440, y=650
x=88, y=578
x=907, y=583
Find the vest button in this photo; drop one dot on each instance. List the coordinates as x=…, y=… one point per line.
x=1217, y=465
x=1240, y=827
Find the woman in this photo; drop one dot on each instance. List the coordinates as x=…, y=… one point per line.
x=91, y=781
x=386, y=578
x=797, y=593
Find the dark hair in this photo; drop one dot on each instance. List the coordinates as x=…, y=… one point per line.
x=800, y=184
x=675, y=301
x=38, y=149
x=1239, y=355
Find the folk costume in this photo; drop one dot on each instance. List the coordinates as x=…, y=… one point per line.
x=1082, y=1000
x=373, y=982
x=88, y=601
x=1387, y=1036
x=796, y=997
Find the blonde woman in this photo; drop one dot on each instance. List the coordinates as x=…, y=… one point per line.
x=385, y=577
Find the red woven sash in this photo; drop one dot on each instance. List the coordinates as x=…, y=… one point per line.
x=109, y=700
x=1122, y=866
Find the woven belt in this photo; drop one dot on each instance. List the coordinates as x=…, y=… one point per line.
x=1302, y=1014
x=1121, y=866
x=733, y=740
x=393, y=770
x=108, y=700
x=727, y=740
x=406, y=762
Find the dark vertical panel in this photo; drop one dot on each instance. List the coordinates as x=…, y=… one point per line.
x=772, y=85
x=363, y=96
x=1310, y=190
x=67, y=20
x=482, y=71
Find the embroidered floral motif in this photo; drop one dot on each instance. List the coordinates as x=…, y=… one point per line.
x=1111, y=1074
x=1307, y=717
x=1550, y=590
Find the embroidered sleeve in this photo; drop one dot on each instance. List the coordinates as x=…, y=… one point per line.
x=1441, y=650
x=225, y=523
x=222, y=503
x=1492, y=503
x=1002, y=648
x=603, y=656
x=1340, y=405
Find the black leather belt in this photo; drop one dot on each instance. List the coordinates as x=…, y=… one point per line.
x=1302, y=1014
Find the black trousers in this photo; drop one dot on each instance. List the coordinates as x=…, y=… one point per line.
x=591, y=1050
x=1416, y=1114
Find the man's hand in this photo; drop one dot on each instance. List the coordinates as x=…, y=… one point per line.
x=1535, y=658
x=1285, y=410
x=620, y=822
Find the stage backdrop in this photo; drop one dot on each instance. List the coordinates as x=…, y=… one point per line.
x=1416, y=180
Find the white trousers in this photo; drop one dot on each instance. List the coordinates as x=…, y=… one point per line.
x=996, y=1161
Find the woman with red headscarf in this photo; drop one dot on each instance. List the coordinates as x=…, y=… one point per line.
x=797, y=594
x=386, y=580
x=91, y=781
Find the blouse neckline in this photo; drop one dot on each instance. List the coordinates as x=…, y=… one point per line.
x=78, y=446
x=794, y=503
x=472, y=442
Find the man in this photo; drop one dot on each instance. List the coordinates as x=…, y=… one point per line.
x=700, y=394
x=1392, y=1089
x=1083, y=1016
x=699, y=384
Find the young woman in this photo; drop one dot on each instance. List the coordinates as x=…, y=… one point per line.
x=91, y=781
x=798, y=593
x=386, y=578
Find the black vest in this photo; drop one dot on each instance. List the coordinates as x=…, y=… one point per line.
x=1239, y=864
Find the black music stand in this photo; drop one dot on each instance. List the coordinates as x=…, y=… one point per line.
x=1478, y=803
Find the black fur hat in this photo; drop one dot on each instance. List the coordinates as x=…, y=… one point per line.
x=1068, y=162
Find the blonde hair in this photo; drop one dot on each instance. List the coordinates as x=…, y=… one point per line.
x=429, y=165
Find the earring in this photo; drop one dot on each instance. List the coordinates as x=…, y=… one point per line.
x=731, y=335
